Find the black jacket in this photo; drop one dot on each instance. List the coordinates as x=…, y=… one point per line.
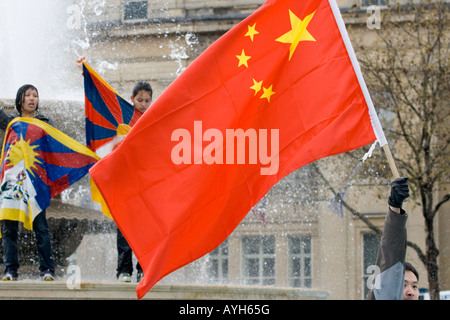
x=5, y=119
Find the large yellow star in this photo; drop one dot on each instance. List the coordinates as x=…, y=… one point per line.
x=22, y=150
x=243, y=59
x=298, y=32
x=251, y=32
x=267, y=93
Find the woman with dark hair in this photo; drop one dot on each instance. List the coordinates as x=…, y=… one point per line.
x=27, y=105
x=141, y=98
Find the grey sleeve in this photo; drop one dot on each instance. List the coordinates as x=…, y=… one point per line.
x=390, y=259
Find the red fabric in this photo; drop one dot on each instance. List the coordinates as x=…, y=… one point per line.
x=172, y=214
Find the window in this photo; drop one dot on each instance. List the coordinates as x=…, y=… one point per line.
x=135, y=10
x=300, y=274
x=370, y=249
x=368, y=3
x=259, y=260
x=218, y=264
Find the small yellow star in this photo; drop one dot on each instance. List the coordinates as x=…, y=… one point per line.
x=243, y=59
x=256, y=86
x=298, y=32
x=251, y=32
x=267, y=93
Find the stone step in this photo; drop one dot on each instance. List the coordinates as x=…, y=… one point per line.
x=30, y=290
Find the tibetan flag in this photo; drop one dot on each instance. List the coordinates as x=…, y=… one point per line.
x=38, y=162
x=278, y=91
x=109, y=117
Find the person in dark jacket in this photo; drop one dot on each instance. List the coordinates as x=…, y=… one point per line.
x=390, y=282
x=141, y=99
x=27, y=105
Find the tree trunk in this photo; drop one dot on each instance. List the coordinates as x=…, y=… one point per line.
x=432, y=251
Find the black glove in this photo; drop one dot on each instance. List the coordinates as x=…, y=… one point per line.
x=399, y=192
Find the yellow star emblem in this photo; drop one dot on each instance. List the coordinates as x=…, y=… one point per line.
x=256, y=86
x=267, y=93
x=298, y=32
x=243, y=59
x=251, y=32
x=22, y=150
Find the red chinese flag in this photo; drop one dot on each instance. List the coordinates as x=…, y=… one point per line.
x=278, y=91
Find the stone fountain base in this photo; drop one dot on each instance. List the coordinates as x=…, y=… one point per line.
x=115, y=290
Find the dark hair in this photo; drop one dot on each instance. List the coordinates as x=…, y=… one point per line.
x=20, y=96
x=409, y=267
x=142, y=86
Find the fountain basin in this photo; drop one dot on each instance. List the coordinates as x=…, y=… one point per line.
x=117, y=290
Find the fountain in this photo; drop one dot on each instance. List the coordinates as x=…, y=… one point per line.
x=42, y=52
x=38, y=51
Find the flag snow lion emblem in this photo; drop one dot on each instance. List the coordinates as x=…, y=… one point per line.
x=38, y=162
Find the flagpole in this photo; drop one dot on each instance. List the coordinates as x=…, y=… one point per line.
x=373, y=115
x=391, y=161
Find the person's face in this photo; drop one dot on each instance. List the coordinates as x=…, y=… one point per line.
x=142, y=100
x=30, y=102
x=411, y=289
